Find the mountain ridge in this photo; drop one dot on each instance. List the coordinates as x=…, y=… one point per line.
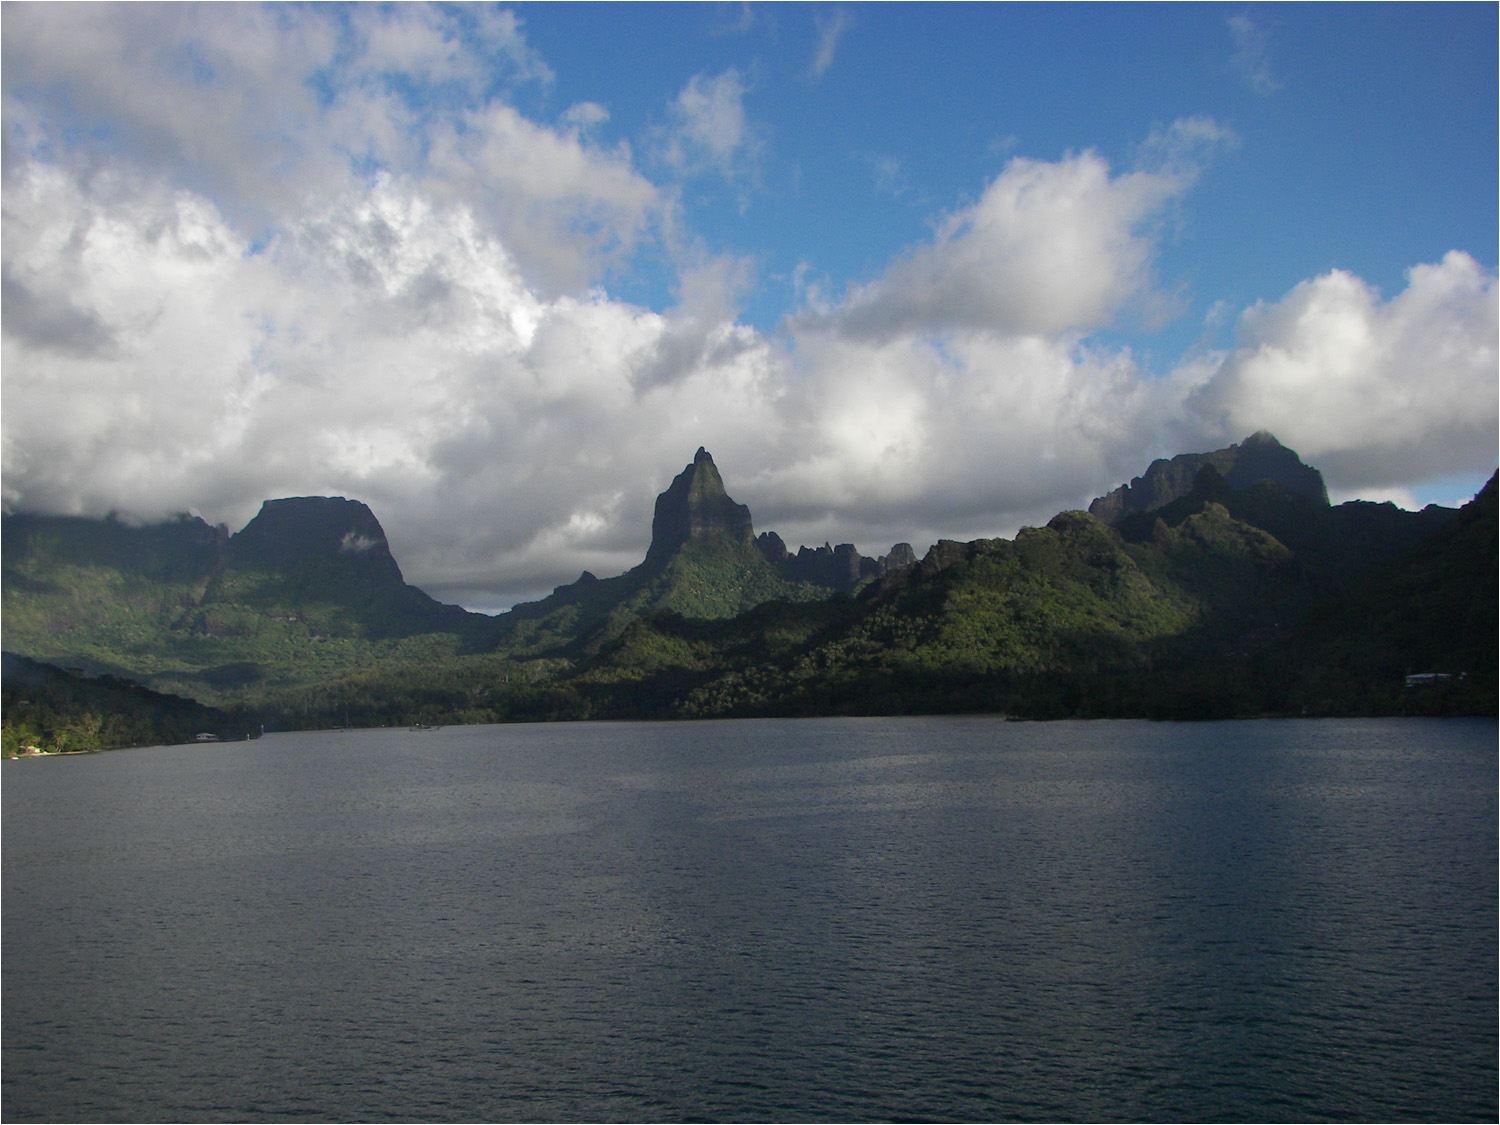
x=1259, y=457
x=307, y=606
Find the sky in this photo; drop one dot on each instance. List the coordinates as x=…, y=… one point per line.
x=908, y=272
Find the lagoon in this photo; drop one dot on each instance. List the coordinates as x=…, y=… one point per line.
x=842, y=919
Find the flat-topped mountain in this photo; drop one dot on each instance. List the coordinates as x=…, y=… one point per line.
x=309, y=583
x=302, y=531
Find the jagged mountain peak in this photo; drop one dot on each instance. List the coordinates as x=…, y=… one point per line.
x=1259, y=457
x=695, y=506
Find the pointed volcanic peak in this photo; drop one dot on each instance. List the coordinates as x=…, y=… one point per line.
x=695, y=506
x=1259, y=457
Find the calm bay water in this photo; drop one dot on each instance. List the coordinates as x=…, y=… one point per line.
x=958, y=919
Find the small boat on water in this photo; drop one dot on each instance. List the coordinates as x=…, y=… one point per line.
x=425, y=726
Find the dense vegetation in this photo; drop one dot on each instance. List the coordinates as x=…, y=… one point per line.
x=1223, y=601
x=1210, y=618
x=52, y=711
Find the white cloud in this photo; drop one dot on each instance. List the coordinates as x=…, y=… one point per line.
x=170, y=379
x=1251, y=59
x=955, y=433
x=1376, y=393
x=263, y=108
x=700, y=332
x=568, y=210
x=280, y=273
x=1049, y=248
x=458, y=47
x=710, y=130
x=831, y=29
x=217, y=97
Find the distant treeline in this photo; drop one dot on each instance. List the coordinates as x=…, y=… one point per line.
x=54, y=711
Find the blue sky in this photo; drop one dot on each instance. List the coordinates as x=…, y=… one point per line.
x=908, y=271
x=1363, y=137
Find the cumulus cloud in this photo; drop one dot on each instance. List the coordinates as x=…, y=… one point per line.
x=970, y=432
x=1049, y=248
x=152, y=273
x=219, y=99
x=263, y=108
x=1376, y=393
x=566, y=209
x=700, y=332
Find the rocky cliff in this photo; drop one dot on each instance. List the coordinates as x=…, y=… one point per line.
x=327, y=532
x=695, y=506
x=1259, y=457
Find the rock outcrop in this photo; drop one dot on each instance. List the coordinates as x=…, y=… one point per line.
x=841, y=567
x=291, y=534
x=695, y=506
x=772, y=546
x=1259, y=457
x=901, y=557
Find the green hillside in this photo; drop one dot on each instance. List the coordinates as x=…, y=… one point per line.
x=184, y=608
x=1224, y=600
x=712, y=576
x=307, y=595
x=1212, y=617
x=54, y=711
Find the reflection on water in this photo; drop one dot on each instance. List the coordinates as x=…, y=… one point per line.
x=791, y=920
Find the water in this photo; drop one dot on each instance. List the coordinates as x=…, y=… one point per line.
x=957, y=919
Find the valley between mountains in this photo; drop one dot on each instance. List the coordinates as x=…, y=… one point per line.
x=1214, y=585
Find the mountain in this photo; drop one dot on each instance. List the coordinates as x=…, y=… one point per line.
x=308, y=588
x=100, y=593
x=308, y=591
x=695, y=507
x=1259, y=457
x=704, y=561
x=1065, y=619
x=1237, y=590
x=326, y=551
x=1334, y=545
x=1429, y=613
x=1208, y=616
